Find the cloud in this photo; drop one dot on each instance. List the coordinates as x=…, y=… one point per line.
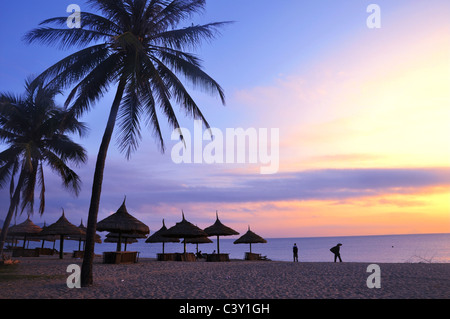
x=325, y=184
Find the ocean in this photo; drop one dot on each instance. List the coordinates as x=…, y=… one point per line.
x=412, y=248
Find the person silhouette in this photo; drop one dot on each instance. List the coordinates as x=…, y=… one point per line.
x=336, y=251
x=295, y=251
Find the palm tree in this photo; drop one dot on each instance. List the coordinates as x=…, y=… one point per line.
x=137, y=46
x=35, y=128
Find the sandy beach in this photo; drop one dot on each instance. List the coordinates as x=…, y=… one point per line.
x=45, y=277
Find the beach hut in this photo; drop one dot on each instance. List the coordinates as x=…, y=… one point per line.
x=62, y=227
x=185, y=229
x=250, y=238
x=121, y=222
x=218, y=229
x=158, y=237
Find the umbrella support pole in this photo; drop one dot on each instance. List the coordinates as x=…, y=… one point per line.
x=218, y=249
x=61, y=246
x=119, y=245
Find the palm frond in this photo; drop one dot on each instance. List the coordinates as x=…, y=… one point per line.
x=113, y=10
x=70, y=179
x=180, y=93
x=151, y=116
x=176, y=11
x=29, y=186
x=42, y=186
x=89, y=21
x=68, y=123
x=7, y=170
x=94, y=85
x=192, y=72
x=13, y=173
x=188, y=38
x=129, y=113
x=163, y=97
x=66, y=149
x=75, y=66
x=64, y=38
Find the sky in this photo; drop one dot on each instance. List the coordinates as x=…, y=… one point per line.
x=362, y=113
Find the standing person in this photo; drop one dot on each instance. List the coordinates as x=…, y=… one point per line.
x=295, y=251
x=336, y=251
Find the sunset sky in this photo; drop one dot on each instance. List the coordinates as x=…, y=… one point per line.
x=363, y=117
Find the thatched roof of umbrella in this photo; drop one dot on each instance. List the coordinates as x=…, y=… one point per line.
x=158, y=237
x=27, y=228
x=46, y=237
x=122, y=222
x=62, y=227
x=184, y=229
x=250, y=238
x=219, y=229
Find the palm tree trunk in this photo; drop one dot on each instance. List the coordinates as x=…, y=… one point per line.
x=86, y=268
x=12, y=207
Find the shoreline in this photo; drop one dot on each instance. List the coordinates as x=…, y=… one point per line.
x=45, y=278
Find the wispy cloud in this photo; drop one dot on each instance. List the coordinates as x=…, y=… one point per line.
x=328, y=184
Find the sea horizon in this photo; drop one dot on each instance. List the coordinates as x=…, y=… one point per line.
x=392, y=248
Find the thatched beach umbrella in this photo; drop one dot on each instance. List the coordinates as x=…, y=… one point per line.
x=62, y=227
x=82, y=237
x=219, y=229
x=250, y=238
x=184, y=229
x=51, y=238
x=158, y=237
x=122, y=222
x=25, y=229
